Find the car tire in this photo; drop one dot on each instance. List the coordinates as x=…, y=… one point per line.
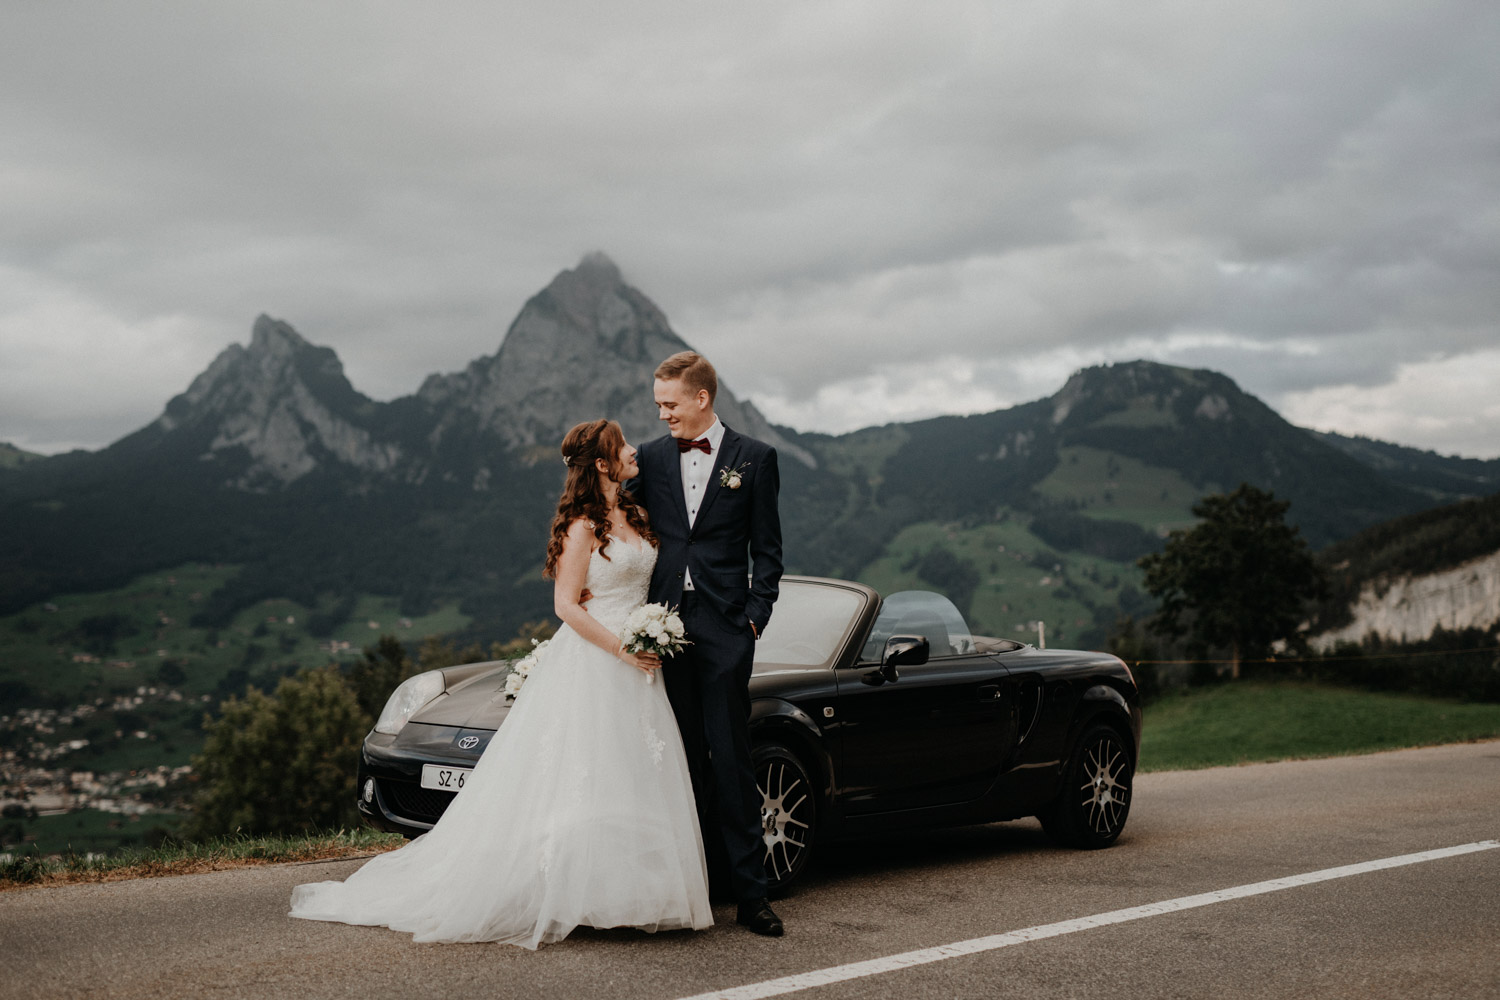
x=789, y=814
x=1090, y=810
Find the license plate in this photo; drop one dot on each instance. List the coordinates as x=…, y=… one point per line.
x=444, y=779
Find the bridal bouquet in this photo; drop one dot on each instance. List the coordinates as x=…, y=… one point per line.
x=653, y=628
x=522, y=669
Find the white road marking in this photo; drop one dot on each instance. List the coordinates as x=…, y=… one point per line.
x=973, y=946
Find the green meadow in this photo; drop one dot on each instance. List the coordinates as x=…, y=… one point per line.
x=1247, y=722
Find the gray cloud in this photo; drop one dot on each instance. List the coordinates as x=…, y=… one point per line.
x=859, y=210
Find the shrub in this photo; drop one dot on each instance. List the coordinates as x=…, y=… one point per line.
x=283, y=763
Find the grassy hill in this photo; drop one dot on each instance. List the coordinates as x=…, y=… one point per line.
x=1004, y=578
x=134, y=659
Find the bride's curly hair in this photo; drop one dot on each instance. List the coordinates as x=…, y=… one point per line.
x=583, y=491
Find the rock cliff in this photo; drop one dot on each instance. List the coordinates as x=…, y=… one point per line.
x=1408, y=608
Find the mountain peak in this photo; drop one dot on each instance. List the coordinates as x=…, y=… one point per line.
x=1091, y=393
x=595, y=298
x=597, y=262
x=275, y=338
x=586, y=346
x=282, y=403
x=595, y=275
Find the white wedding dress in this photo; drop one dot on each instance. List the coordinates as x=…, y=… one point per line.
x=579, y=812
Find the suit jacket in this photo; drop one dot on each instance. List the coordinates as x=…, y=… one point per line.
x=733, y=549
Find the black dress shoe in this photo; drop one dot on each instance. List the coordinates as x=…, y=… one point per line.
x=757, y=915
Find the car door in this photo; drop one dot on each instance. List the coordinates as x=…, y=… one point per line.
x=923, y=735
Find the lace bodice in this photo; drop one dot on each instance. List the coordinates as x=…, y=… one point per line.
x=619, y=584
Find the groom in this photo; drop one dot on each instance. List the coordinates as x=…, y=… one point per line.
x=711, y=495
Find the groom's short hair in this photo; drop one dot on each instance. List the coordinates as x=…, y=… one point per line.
x=694, y=370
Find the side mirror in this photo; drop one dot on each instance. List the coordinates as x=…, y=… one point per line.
x=905, y=651
x=902, y=651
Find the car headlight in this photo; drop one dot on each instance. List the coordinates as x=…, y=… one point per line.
x=409, y=696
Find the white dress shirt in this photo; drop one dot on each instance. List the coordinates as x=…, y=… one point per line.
x=696, y=468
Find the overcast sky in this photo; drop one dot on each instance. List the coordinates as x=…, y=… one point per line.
x=861, y=211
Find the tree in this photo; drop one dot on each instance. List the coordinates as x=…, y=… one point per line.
x=530, y=634
x=1239, y=580
x=283, y=763
x=1135, y=647
x=437, y=652
x=286, y=762
x=375, y=676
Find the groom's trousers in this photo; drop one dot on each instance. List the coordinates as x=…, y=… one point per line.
x=708, y=686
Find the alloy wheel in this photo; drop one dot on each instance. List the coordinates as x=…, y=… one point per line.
x=1093, y=801
x=788, y=813
x=1106, y=793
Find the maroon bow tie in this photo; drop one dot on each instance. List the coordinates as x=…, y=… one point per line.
x=701, y=444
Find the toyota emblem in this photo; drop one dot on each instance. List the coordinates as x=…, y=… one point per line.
x=468, y=743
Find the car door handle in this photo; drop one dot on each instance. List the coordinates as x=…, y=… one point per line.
x=988, y=692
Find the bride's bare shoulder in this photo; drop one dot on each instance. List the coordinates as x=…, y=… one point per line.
x=581, y=532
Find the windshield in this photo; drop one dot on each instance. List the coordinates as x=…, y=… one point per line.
x=919, y=612
x=808, y=625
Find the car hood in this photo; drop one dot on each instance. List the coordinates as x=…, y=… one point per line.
x=477, y=703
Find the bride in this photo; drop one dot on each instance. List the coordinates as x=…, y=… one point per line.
x=580, y=811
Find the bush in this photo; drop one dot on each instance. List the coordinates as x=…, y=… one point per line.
x=1462, y=664
x=283, y=763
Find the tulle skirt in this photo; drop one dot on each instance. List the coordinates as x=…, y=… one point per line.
x=579, y=812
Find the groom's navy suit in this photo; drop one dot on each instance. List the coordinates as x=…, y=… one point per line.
x=732, y=553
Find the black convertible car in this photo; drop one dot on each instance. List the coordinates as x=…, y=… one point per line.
x=868, y=715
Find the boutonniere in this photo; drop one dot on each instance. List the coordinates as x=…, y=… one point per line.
x=731, y=478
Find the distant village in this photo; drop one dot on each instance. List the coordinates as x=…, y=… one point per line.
x=36, y=780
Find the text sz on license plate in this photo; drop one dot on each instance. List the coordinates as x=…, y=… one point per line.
x=443, y=778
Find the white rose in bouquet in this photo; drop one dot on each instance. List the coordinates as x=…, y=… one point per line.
x=521, y=669
x=650, y=629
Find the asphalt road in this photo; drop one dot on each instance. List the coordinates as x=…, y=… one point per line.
x=1422, y=930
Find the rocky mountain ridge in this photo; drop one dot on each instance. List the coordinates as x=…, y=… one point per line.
x=586, y=330
x=282, y=402
x=1420, y=469
x=586, y=345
